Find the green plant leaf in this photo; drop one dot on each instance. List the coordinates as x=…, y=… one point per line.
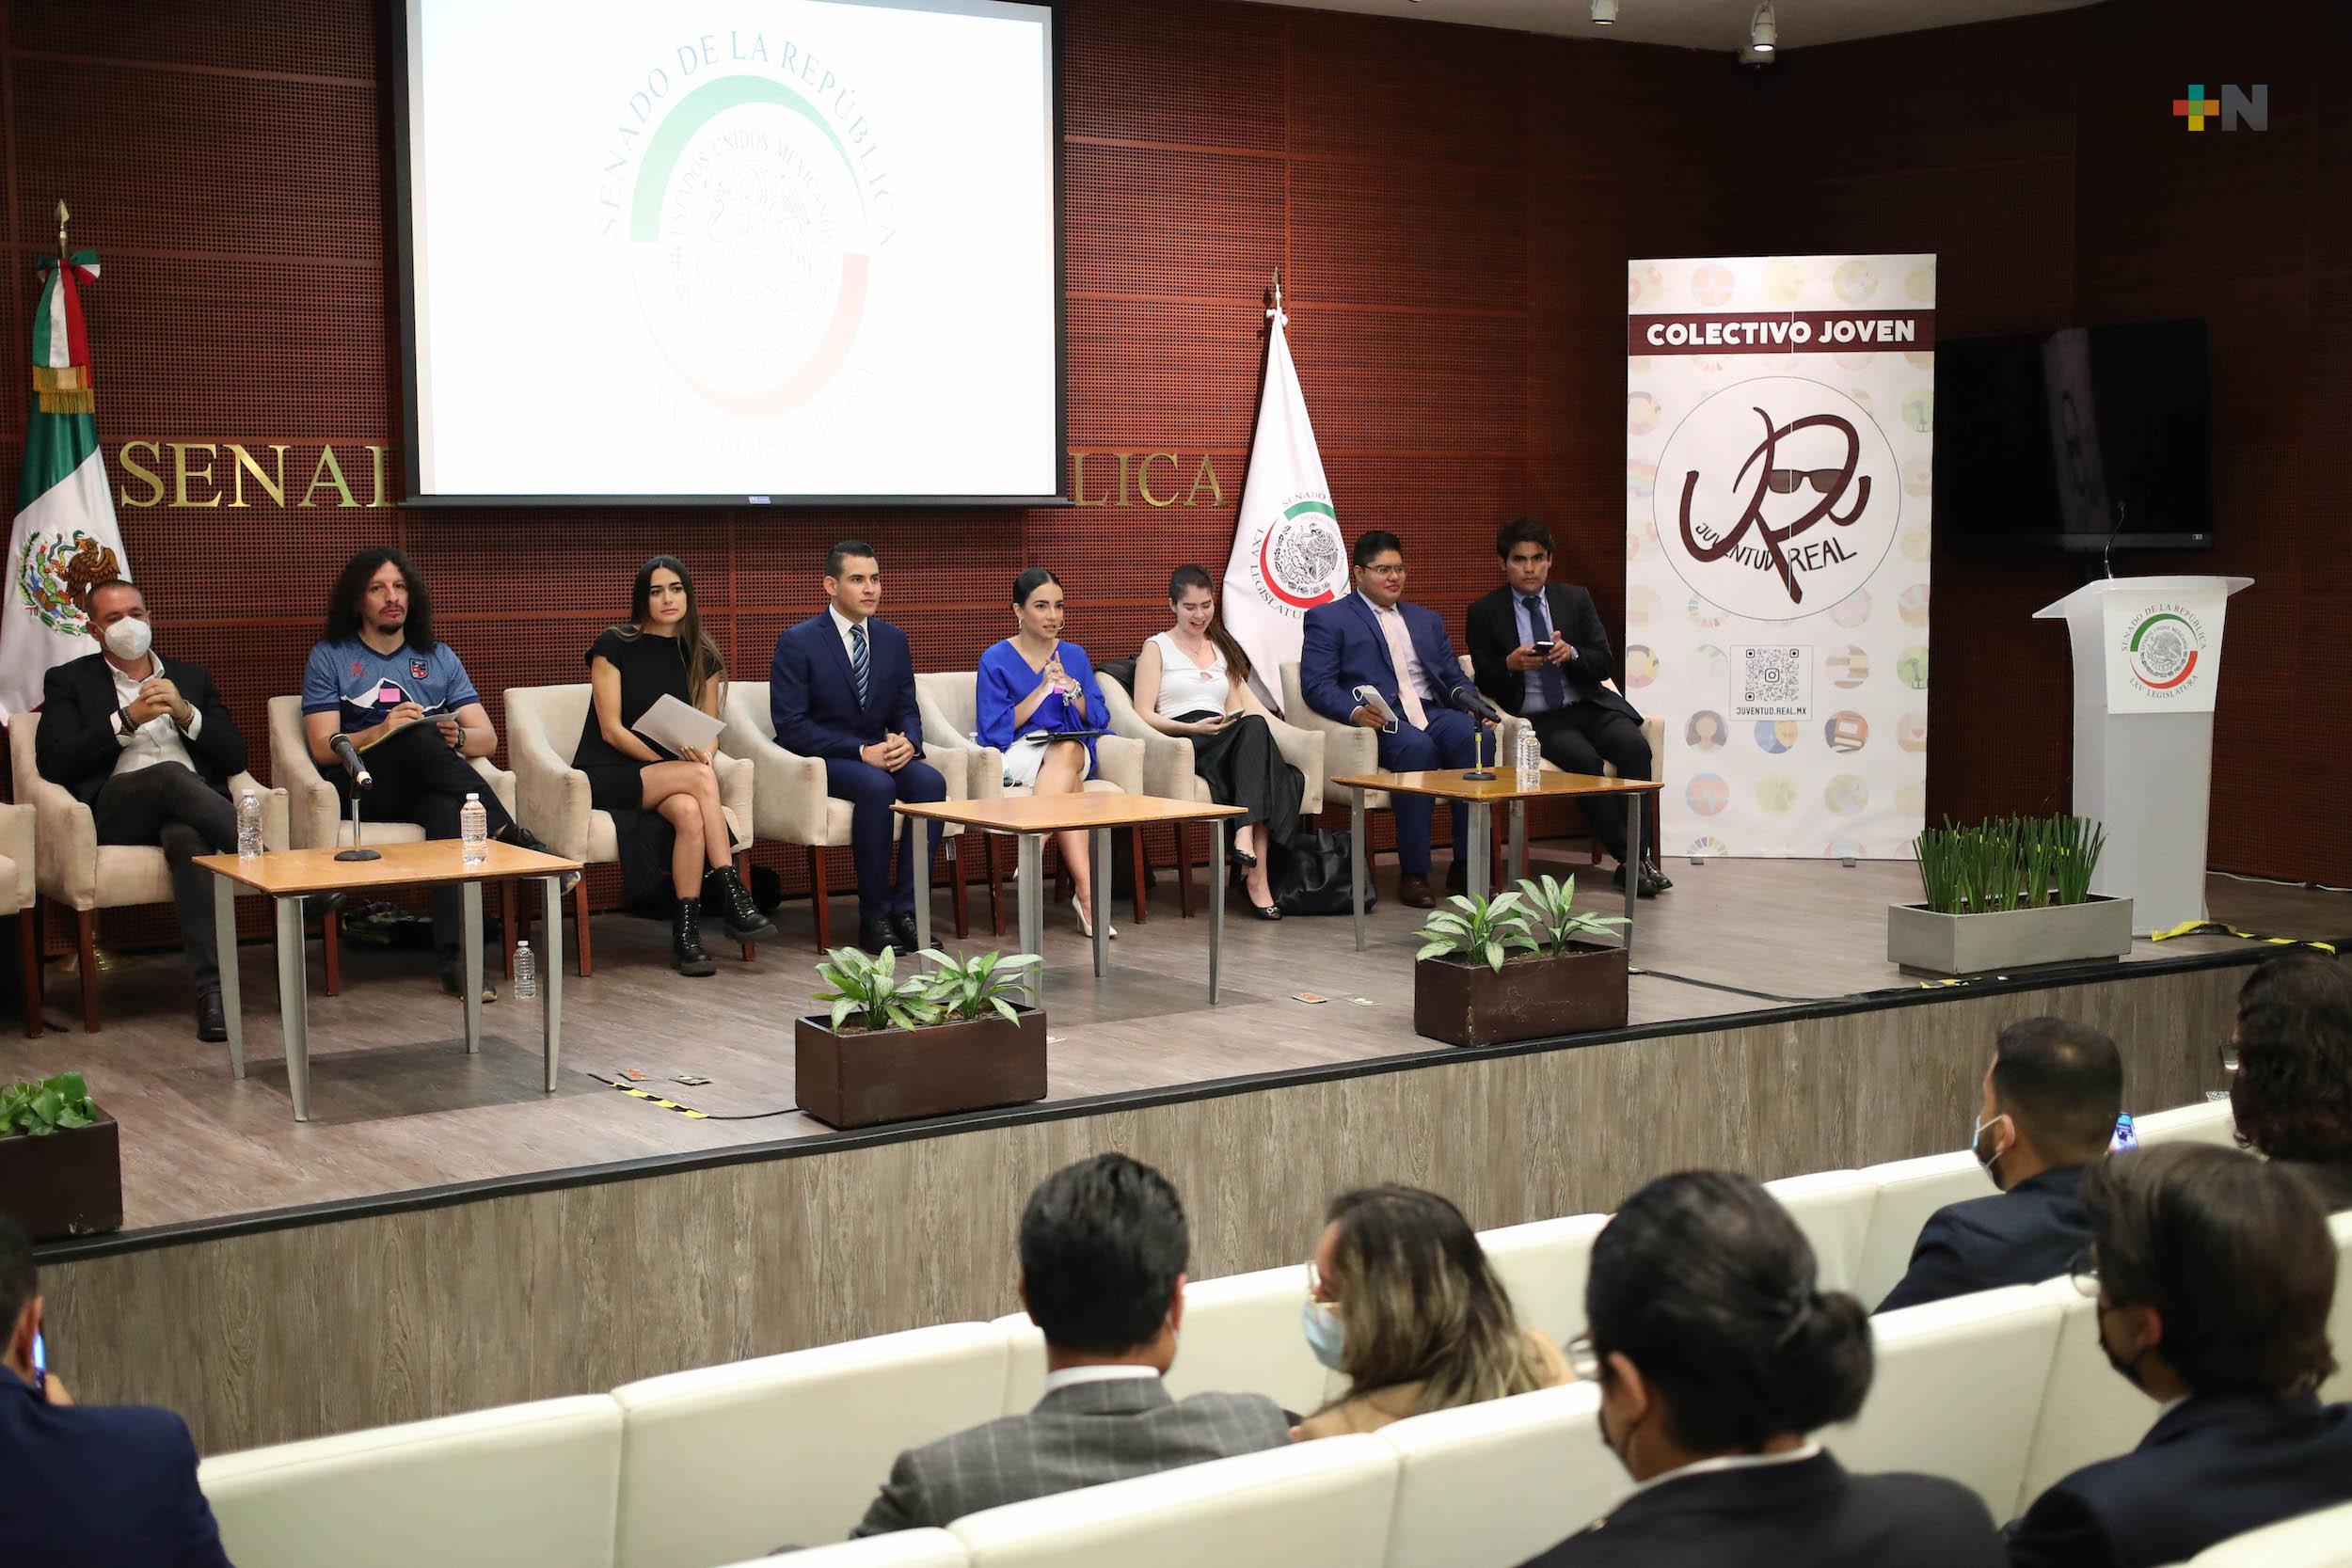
x=1494, y=955
x=1006, y=1008
x=73, y=1117
x=1435, y=950
x=842, y=1008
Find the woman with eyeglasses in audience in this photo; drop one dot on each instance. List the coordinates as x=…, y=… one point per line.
x=2291, y=1089
x=1718, y=1356
x=1401, y=1300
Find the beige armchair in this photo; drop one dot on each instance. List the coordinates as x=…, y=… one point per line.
x=1167, y=769
x=950, y=716
x=543, y=724
x=20, y=898
x=319, y=821
x=790, y=804
x=75, y=870
x=1653, y=729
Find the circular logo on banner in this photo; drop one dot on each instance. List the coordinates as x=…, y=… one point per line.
x=1298, y=560
x=40, y=579
x=751, y=245
x=2163, y=647
x=1777, y=497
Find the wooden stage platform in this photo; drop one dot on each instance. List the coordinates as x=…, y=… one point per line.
x=398, y=1107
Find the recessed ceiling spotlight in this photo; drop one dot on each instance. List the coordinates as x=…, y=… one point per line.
x=1764, y=30
x=1604, y=12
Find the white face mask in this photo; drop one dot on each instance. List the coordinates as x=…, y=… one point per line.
x=130, y=638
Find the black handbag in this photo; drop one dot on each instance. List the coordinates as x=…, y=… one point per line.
x=1310, y=875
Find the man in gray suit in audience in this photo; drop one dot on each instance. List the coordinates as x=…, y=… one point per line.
x=1104, y=1249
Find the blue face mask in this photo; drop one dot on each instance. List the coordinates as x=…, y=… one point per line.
x=1325, y=1334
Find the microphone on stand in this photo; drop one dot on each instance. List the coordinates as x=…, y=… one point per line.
x=1472, y=701
x=361, y=777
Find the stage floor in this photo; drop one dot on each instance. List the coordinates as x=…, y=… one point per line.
x=395, y=1114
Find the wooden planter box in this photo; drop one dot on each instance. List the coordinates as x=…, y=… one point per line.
x=1922, y=942
x=65, y=1183
x=858, y=1078
x=1530, y=997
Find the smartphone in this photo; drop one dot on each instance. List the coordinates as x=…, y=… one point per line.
x=40, y=1364
x=1543, y=649
x=2125, y=1139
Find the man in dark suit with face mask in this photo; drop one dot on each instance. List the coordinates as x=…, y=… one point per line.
x=145, y=742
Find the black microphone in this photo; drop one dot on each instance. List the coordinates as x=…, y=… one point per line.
x=361, y=777
x=1470, y=700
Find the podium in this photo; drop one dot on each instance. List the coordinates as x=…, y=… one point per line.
x=2147, y=668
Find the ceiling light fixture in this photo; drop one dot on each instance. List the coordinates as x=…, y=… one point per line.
x=1604, y=12
x=1764, y=30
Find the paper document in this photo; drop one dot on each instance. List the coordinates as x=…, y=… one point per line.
x=674, y=726
x=1369, y=696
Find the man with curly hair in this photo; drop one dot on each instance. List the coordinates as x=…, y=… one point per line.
x=2292, y=1093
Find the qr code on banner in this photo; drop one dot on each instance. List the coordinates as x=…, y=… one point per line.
x=1772, y=682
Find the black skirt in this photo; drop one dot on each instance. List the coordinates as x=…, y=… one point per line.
x=1244, y=768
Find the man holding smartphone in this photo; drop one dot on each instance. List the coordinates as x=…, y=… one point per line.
x=1537, y=650
x=97, y=1486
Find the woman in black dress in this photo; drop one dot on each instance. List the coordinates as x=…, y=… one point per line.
x=1191, y=681
x=664, y=652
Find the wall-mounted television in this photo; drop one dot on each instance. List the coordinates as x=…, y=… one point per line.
x=2077, y=440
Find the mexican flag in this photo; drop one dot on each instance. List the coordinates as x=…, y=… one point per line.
x=63, y=506
x=1288, y=556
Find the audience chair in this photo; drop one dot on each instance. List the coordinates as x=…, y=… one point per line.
x=728, y=1462
x=318, y=820
x=906, y=1548
x=2087, y=1413
x=1909, y=1191
x=950, y=717
x=1491, y=1485
x=72, y=868
x=790, y=804
x=2211, y=1121
x=20, y=898
x=1167, y=770
x=543, y=726
x=1833, y=1208
x=2339, y=1387
x=1347, y=750
x=527, y=1486
x=1325, y=1504
x=2321, y=1540
x=1543, y=1265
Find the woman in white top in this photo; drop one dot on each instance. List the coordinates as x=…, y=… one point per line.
x=1189, y=683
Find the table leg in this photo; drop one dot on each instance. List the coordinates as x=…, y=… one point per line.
x=1100, y=862
x=1516, y=868
x=1482, y=832
x=919, y=841
x=1216, y=903
x=1355, y=861
x=552, y=981
x=1632, y=870
x=225, y=951
x=473, y=967
x=293, y=1005
x=1028, y=893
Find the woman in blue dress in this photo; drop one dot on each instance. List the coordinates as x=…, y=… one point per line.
x=1033, y=687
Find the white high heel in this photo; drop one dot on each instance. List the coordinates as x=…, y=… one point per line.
x=1085, y=927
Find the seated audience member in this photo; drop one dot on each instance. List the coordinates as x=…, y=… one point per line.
x=145, y=741
x=1102, y=1253
x=1401, y=1300
x=1033, y=687
x=1374, y=637
x=2215, y=1274
x=665, y=806
x=842, y=687
x=1717, y=1356
x=381, y=678
x=2293, y=1089
x=2051, y=1099
x=96, y=1486
x=1190, y=682
x=1541, y=652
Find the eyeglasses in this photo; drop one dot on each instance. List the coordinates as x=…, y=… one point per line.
x=1783, y=482
x=1583, y=1358
x=1316, y=1290
x=1396, y=571
x=2084, y=1272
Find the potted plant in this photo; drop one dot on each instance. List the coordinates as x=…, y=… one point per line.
x=894, y=1048
x=1518, y=967
x=60, y=1160
x=2008, y=893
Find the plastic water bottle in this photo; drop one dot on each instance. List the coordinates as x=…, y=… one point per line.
x=526, y=973
x=249, y=825
x=474, y=829
x=1531, y=759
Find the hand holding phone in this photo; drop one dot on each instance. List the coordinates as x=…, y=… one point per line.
x=41, y=1365
x=1542, y=647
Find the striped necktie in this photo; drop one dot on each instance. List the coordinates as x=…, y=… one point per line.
x=859, y=668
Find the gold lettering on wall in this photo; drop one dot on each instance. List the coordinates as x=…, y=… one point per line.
x=329, y=467
x=1115, y=493
x=182, y=473
x=194, y=483
x=273, y=484
x=137, y=469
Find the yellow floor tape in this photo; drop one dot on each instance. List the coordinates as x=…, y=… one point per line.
x=665, y=1104
x=2215, y=928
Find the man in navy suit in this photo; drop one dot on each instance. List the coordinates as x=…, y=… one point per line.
x=98, y=1487
x=2215, y=1276
x=842, y=687
x=2051, y=1099
x=1373, y=637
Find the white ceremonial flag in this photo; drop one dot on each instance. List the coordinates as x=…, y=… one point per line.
x=1288, y=556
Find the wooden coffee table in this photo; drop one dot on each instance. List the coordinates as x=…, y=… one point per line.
x=1481, y=795
x=1095, y=813
x=288, y=875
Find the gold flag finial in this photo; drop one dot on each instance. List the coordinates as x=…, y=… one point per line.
x=1277, y=288
x=62, y=217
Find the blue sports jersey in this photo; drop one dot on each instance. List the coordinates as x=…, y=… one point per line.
x=363, y=685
